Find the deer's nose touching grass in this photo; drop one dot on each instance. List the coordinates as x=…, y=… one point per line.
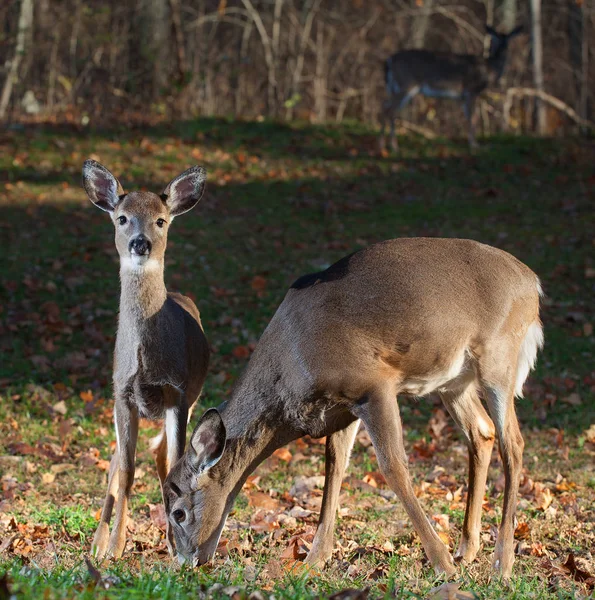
x=161, y=354
x=405, y=317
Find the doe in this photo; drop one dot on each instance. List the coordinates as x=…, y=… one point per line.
x=442, y=75
x=406, y=316
x=161, y=355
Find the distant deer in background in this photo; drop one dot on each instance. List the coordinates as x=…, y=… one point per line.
x=441, y=75
x=162, y=354
x=409, y=316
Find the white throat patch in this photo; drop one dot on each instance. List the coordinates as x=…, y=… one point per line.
x=138, y=264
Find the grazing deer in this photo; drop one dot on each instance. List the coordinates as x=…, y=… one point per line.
x=406, y=316
x=161, y=354
x=441, y=75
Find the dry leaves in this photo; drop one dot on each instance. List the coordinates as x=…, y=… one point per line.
x=158, y=518
x=283, y=454
x=262, y=500
x=568, y=569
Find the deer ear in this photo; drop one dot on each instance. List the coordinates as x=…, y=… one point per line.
x=208, y=441
x=518, y=29
x=491, y=31
x=184, y=192
x=103, y=189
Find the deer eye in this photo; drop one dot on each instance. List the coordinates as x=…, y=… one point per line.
x=160, y=222
x=179, y=515
x=122, y=220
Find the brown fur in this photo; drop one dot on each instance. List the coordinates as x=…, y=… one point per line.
x=161, y=354
x=441, y=74
x=406, y=316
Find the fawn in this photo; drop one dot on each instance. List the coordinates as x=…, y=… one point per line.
x=406, y=316
x=161, y=354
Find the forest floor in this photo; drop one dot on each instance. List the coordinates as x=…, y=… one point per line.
x=281, y=201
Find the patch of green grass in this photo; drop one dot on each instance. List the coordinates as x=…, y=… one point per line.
x=281, y=200
x=76, y=521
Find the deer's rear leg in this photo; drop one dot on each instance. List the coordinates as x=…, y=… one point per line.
x=380, y=413
x=479, y=432
x=469, y=109
x=127, y=429
x=511, y=444
x=101, y=536
x=338, y=449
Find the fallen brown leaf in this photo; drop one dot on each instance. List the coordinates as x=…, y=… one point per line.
x=157, y=512
x=262, y=500
x=450, y=591
x=282, y=454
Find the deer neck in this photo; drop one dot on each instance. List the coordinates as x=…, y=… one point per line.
x=255, y=423
x=143, y=290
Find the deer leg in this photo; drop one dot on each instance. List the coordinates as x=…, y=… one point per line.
x=469, y=108
x=127, y=435
x=380, y=413
x=176, y=420
x=385, y=114
x=477, y=428
x=101, y=536
x=511, y=444
x=338, y=449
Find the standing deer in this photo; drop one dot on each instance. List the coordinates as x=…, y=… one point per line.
x=161, y=355
x=406, y=316
x=441, y=75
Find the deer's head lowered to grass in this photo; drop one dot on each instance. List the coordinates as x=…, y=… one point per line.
x=408, y=316
x=161, y=354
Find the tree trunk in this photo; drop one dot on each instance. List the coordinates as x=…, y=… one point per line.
x=24, y=26
x=421, y=24
x=320, y=76
x=508, y=15
x=151, y=53
x=537, y=51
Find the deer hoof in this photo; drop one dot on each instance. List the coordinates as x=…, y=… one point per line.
x=318, y=556
x=100, y=541
x=466, y=552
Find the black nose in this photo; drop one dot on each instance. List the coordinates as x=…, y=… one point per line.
x=140, y=245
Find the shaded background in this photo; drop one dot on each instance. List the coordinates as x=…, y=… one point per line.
x=93, y=62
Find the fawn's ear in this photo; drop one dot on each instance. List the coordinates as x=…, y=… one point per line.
x=103, y=189
x=207, y=442
x=492, y=31
x=184, y=192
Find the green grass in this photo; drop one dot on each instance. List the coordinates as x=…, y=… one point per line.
x=281, y=200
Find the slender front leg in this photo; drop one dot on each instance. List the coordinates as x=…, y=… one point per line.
x=171, y=449
x=383, y=117
x=469, y=108
x=127, y=434
x=101, y=537
x=380, y=413
x=338, y=449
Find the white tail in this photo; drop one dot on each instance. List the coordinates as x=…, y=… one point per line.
x=532, y=343
x=441, y=75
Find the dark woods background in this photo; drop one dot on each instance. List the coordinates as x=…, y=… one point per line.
x=318, y=60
